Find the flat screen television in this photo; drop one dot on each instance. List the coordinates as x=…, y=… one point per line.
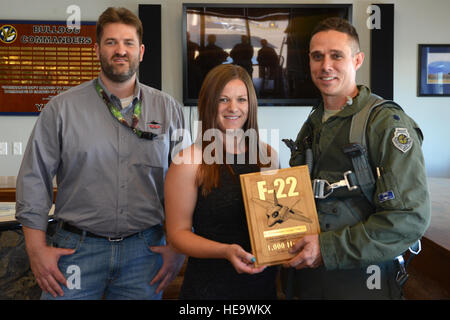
x=270, y=41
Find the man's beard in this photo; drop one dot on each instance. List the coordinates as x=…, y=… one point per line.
x=113, y=75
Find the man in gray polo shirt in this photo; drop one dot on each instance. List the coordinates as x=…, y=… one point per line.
x=108, y=141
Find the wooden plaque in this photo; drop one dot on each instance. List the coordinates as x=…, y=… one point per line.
x=280, y=209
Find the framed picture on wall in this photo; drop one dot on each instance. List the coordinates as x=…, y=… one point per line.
x=434, y=70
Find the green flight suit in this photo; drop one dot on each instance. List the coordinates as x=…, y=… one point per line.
x=356, y=234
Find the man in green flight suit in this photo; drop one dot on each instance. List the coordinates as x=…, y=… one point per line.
x=353, y=256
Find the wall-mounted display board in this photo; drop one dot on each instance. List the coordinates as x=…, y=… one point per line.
x=40, y=59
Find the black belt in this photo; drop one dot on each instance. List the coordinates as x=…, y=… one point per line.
x=68, y=227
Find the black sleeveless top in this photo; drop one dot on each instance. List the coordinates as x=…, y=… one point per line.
x=220, y=216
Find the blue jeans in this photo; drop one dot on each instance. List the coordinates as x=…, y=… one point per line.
x=102, y=269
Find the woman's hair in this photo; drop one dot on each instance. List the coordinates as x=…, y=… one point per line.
x=118, y=15
x=208, y=104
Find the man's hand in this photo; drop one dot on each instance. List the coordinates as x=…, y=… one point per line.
x=44, y=264
x=172, y=263
x=309, y=255
x=44, y=261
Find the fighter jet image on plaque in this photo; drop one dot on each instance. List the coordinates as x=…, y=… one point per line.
x=277, y=213
x=280, y=209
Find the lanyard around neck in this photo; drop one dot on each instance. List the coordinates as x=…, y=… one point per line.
x=116, y=112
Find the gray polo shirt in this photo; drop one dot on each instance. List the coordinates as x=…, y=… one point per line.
x=110, y=182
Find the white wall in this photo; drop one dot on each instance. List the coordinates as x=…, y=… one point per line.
x=423, y=22
x=416, y=21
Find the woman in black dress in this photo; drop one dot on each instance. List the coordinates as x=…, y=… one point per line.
x=205, y=213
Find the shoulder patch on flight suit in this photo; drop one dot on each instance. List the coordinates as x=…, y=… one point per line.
x=401, y=140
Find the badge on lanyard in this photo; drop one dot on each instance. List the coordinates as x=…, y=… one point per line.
x=117, y=114
x=401, y=140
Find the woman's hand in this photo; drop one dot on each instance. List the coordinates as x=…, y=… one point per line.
x=242, y=261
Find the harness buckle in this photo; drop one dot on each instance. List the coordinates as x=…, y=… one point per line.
x=322, y=188
x=402, y=275
x=344, y=183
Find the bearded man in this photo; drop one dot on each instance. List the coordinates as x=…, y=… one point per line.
x=108, y=142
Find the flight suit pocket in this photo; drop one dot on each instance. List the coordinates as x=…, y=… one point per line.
x=335, y=214
x=386, y=194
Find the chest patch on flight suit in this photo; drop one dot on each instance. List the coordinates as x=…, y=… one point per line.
x=385, y=196
x=401, y=140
